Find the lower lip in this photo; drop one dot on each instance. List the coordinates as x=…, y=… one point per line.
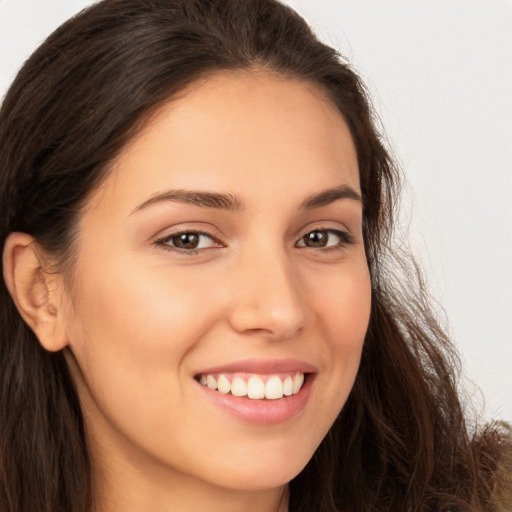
x=263, y=411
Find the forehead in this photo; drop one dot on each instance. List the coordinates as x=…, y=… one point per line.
x=245, y=131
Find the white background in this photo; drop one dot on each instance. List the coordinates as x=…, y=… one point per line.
x=440, y=74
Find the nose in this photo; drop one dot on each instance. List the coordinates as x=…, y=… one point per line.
x=267, y=297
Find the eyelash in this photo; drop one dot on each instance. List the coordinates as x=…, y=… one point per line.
x=344, y=236
x=345, y=240
x=164, y=241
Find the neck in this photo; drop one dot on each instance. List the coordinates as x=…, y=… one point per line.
x=140, y=486
x=183, y=495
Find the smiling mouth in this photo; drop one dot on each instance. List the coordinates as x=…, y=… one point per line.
x=254, y=386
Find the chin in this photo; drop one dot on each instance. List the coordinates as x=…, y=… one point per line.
x=260, y=480
x=264, y=473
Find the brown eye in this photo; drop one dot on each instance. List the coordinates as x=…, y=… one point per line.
x=316, y=239
x=188, y=241
x=325, y=238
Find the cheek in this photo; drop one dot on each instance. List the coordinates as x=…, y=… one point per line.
x=144, y=307
x=342, y=302
x=130, y=333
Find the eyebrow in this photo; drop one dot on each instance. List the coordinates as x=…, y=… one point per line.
x=215, y=200
x=329, y=196
x=232, y=202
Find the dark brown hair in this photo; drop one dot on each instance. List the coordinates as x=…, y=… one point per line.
x=401, y=442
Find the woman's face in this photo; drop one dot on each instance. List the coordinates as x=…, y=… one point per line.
x=224, y=249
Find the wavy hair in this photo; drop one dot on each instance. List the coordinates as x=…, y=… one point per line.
x=401, y=442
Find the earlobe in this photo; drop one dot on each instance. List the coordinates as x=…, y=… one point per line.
x=35, y=292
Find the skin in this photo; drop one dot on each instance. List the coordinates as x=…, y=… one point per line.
x=140, y=318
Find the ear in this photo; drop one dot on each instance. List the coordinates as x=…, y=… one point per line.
x=36, y=293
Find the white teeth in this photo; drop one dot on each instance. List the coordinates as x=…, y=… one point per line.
x=255, y=388
x=211, y=382
x=274, y=388
x=298, y=380
x=288, y=386
x=223, y=385
x=238, y=387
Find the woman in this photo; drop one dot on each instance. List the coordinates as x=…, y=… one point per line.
x=201, y=307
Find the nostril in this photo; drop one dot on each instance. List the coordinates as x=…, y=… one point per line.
x=264, y=319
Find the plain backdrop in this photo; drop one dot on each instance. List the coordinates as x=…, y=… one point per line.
x=440, y=75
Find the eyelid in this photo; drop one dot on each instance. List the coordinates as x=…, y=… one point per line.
x=162, y=240
x=346, y=238
x=325, y=226
x=344, y=234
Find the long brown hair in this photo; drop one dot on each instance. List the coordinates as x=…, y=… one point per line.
x=401, y=441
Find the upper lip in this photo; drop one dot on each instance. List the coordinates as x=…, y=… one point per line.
x=262, y=367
